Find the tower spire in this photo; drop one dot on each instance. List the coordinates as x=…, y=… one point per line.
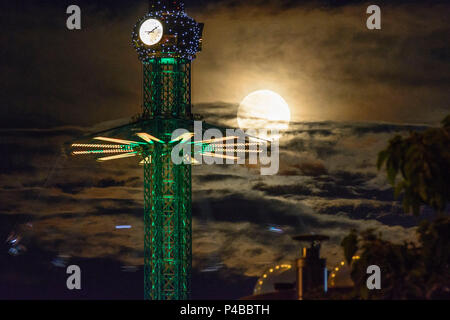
x=166, y=5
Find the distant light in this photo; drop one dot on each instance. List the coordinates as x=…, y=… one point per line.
x=123, y=227
x=13, y=251
x=211, y=269
x=129, y=268
x=325, y=279
x=58, y=262
x=275, y=229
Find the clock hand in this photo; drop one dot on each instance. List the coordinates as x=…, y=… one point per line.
x=148, y=32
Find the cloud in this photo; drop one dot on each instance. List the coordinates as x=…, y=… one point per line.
x=328, y=184
x=318, y=55
x=328, y=68
x=215, y=177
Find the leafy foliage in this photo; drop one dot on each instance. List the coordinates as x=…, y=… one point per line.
x=350, y=246
x=423, y=162
x=408, y=271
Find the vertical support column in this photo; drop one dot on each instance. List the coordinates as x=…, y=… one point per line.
x=153, y=82
x=153, y=240
x=167, y=224
x=184, y=194
x=300, y=264
x=185, y=89
x=169, y=227
x=310, y=272
x=167, y=88
x=167, y=191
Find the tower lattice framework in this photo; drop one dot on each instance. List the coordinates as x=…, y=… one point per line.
x=167, y=187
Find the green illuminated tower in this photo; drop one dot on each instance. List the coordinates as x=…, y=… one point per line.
x=167, y=40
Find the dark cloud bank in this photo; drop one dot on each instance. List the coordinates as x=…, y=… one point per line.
x=318, y=55
x=327, y=184
x=57, y=84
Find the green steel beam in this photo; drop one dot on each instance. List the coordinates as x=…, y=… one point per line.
x=167, y=187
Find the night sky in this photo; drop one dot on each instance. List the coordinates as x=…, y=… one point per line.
x=349, y=90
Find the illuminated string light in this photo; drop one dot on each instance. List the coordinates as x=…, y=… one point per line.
x=237, y=150
x=237, y=145
x=100, y=151
x=217, y=155
x=265, y=275
x=120, y=156
x=104, y=146
x=209, y=148
x=336, y=269
x=182, y=41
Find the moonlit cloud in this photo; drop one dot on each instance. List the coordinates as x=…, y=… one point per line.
x=328, y=184
x=320, y=58
x=349, y=89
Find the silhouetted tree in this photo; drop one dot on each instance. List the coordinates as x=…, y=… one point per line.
x=350, y=245
x=423, y=162
x=409, y=270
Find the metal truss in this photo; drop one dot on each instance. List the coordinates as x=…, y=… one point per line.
x=167, y=187
x=167, y=88
x=167, y=221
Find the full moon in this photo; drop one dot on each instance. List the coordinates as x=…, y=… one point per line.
x=264, y=109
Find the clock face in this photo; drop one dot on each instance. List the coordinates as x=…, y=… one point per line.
x=151, y=32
